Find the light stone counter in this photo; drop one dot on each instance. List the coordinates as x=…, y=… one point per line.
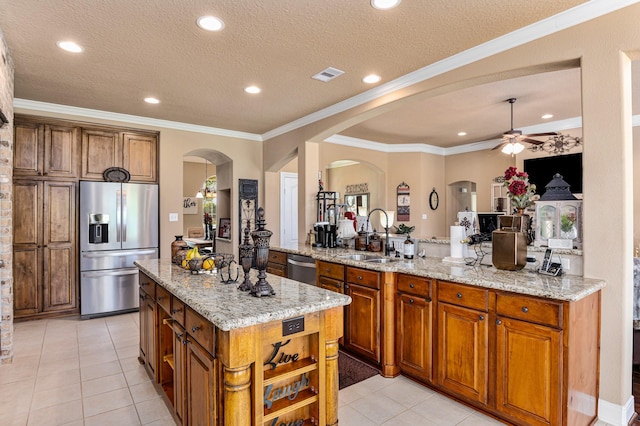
x=568, y=287
x=229, y=308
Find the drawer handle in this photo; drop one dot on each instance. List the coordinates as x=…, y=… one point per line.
x=481, y=317
x=185, y=341
x=428, y=299
x=180, y=335
x=160, y=298
x=359, y=277
x=410, y=300
x=498, y=322
x=411, y=285
x=144, y=297
x=195, y=328
x=328, y=270
x=175, y=311
x=459, y=295
x=525, y=309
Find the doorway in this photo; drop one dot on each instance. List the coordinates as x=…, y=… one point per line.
x=289, y=209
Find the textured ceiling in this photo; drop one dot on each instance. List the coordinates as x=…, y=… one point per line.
x=140, y=48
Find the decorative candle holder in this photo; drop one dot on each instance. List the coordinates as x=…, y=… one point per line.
x=246, y=259
x=261, y=238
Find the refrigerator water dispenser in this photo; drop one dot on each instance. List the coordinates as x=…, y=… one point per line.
x=98, y=228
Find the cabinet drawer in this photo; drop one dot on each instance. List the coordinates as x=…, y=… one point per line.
x=163, y=298
x=457, y=294
x=331, y=270
x=415, y=285
x=147, y=285
x=177, y=310
x=277, y=269
x=364, y=277
x=331, y=284
x=529, y=309
x=277, y=257
x=200, y=329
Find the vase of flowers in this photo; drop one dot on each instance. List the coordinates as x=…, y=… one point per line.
x=519, y=189
x=568, y=226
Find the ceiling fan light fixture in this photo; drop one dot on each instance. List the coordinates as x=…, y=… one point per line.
x=513, y=148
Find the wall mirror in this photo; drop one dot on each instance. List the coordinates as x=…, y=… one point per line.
x=357, y=203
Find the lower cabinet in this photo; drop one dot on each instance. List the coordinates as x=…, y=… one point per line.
x=363, y=315
x=148, y=327
x=414, y=327
x=200, y=385
x=277, y=263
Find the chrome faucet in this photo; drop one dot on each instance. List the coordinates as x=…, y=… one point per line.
x=387, y=251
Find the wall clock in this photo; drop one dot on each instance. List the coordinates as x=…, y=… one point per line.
x=433, y=199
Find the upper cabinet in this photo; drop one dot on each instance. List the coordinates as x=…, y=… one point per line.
x=45, y=150
x=45, y=147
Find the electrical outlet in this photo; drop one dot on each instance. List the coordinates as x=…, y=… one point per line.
x=424, y=216
x=565, y=264
x=173, y=217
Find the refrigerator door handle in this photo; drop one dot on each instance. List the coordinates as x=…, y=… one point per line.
x=116, y=273
x=102, y=254
x=118, y=216
x=124, y=216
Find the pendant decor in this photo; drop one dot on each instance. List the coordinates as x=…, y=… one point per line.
x=261, y=238
x=404, y=202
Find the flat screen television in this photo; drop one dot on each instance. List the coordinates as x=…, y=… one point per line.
x=541, y=171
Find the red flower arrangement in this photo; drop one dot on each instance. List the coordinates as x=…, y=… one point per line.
x=520, y=190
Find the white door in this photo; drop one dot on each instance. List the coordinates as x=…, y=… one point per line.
x=289, y=209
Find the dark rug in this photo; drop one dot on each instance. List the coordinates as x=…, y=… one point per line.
x=351, y=370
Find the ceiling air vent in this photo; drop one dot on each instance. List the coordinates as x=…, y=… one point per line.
x=328, y=74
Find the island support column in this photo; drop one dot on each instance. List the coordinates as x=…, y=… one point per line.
x=333, y=332
x=237, y=354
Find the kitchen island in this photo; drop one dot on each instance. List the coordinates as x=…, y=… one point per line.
x=223, y=357
x=519, y=345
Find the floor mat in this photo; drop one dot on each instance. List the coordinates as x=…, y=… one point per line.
x=351, y=370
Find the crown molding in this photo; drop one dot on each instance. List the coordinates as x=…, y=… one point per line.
x=569, y=18
x=133, y=119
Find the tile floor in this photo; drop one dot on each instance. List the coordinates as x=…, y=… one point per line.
x=72, y=372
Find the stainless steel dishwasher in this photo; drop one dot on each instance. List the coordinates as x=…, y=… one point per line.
x=301, y=268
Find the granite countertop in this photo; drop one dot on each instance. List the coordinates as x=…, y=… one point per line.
x=229, y=308
x=567, y=287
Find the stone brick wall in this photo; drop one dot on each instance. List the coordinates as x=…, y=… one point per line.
x=6, y=178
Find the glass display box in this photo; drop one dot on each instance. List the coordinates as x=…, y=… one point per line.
x=558, y=219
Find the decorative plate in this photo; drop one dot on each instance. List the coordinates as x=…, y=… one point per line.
x=116, y=174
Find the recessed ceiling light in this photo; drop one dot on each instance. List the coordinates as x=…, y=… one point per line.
x=372, y=78
x=547, y=116
x=253, y=89
x=70, y=46
x=384, y=4
x=210, y=23
x=151, y=100
x=462, y=133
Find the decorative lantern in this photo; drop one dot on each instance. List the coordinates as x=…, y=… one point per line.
x=558, y=216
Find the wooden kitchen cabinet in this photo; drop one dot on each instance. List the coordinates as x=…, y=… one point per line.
x=463, y=341
x=140, y=156
x=363, y=315
x=414, y=326
x=148, y=324
x=277, y=263
x=44, y=244
x=330, y=276
x=49, y=150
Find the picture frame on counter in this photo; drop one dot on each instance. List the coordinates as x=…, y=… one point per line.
x=224, y=228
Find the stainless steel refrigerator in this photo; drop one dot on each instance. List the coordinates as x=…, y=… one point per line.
x=118, y=225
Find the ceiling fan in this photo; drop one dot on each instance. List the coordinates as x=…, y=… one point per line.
x=511, y=138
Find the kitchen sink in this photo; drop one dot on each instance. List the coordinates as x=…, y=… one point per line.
x=381, y=260
x=363, y=257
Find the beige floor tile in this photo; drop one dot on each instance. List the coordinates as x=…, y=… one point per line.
x=136, y=376
x=105, y=402
x=56, y=414
x=442, y=411
x=125, y=341
x=377, y=408
x=408, y=418
x=124, y=416
x=57, y=380
x=131, y=363
x=48, y=398
x=128, y=351
x=98, y=358
x=51, y=367
x=11, y=418
x=406, y=392
x=103, y=384
x=17, y=397
x=90, y=349
x=350, y=417
x=100, y=370
x=152, y=410
x=477, y=419
x=162, y=422
x=143, y=392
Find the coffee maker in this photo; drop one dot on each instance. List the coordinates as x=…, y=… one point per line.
x=321, y=234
